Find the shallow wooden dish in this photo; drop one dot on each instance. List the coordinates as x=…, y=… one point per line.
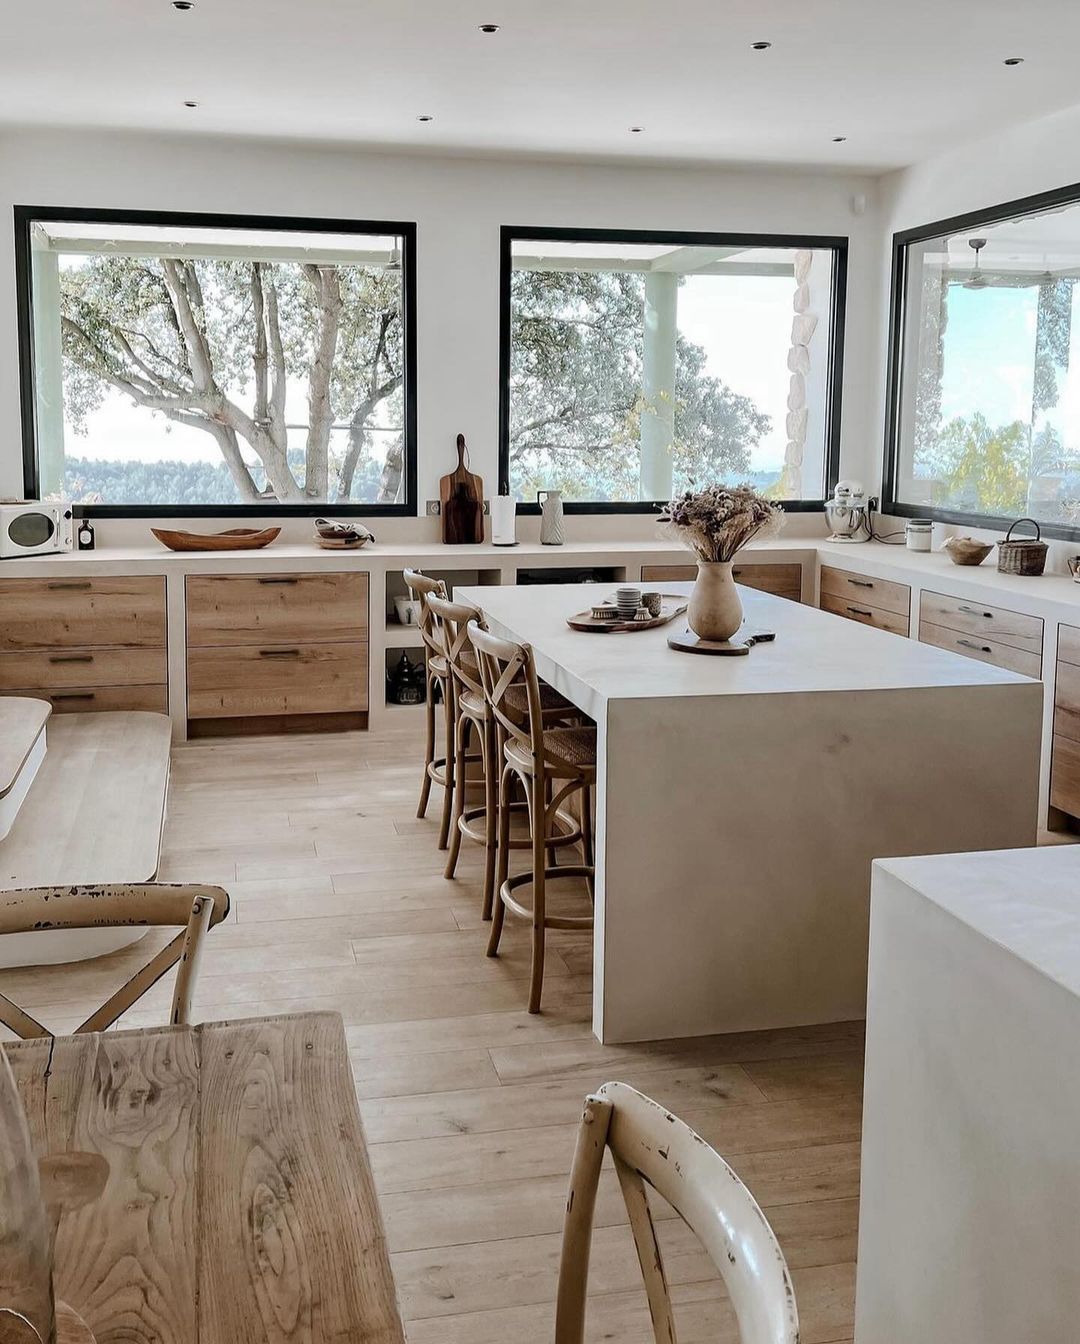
x=235, y=539
x=967, y=551
x=585, y=620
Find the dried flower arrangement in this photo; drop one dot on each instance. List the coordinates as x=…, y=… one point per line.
x=718, y=521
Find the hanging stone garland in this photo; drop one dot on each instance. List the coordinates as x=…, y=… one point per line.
x=803, y=325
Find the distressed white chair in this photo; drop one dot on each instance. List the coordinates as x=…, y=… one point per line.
x=193, y=908
x=437, y=769
x=650, y=1147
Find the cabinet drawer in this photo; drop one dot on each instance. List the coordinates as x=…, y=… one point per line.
x=1068, y=650
x=275, y=608
x=311, y=679
x=880, y=593
x=83, y=667
x=74, y=612
x=865, y=614
x=1065, y=775
x=976, y=618
x=87, y=699
x=1067, y=701
x=985, y=650
x=782, y=580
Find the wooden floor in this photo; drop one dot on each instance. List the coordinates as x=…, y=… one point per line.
x=470, y=1105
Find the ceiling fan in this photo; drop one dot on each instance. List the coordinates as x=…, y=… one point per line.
x=980, y=279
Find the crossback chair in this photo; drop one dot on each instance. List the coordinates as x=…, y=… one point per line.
x=437, y=769
x=653, y=1149
x=193, y=908
x=551, y=764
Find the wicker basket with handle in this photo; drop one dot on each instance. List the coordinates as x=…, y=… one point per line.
x=1026, y=556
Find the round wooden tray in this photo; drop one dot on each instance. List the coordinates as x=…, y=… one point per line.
x=585, y=620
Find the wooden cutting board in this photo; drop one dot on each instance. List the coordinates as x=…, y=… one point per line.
x=462, y=502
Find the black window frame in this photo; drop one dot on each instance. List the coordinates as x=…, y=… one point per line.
x=26, y=215
x=901, y=241
x=838, y=244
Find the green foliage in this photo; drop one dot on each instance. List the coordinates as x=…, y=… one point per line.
x=980, y=469
x=575, y=392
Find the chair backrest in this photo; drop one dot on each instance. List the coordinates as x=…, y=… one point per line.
x=504, y=664
x=422, y=587
x=651, y=1147
x=451, y=628
x=192, y=908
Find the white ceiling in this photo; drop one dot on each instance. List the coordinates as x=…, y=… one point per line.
x=902, y=79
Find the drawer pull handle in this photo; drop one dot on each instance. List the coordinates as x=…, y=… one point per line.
x=860, y=611
x=279, y=653
x=72, y=695
x=70, y=587
x=279, y=580
x=860, y=583
x=71, y=658
x=979, y=648
x=974, y=611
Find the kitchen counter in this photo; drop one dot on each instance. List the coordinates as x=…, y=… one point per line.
x=741, y=801
x=970, y=1176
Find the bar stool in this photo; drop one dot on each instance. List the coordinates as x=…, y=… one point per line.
x=474, y=718
x=437, y=769
x=552, y=764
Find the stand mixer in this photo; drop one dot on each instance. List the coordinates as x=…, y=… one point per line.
x=846, y=512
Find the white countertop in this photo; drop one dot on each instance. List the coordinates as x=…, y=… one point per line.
x=1024, y=900
x=813, y=651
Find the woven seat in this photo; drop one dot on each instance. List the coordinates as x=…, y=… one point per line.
x=574, y=748
x=551, y=700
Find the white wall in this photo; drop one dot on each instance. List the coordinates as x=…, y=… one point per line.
x=459, y=205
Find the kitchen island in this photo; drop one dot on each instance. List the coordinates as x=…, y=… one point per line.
x=741, y=801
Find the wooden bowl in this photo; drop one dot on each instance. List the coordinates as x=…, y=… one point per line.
x=967, y=551
x=235, y=539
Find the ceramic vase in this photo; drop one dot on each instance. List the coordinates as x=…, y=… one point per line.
x=551, y=517
x=715, y=612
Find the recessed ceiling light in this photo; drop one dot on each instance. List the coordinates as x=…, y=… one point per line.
x=424, y=117
x=183, y=4
x=1014, y=60
x=839, y=139
x=636, y=130
x=760, y=46
x=190, y=102
x=489, y=27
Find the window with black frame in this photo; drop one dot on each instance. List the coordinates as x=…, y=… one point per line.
x=202, y=364
x=985, y=389
x=636, y=365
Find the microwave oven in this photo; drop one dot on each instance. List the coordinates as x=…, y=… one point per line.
x=30, y=528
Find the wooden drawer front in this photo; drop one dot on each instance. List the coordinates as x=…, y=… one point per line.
x=1065, y=775
x=87, y=699
x=668, y=573
x=862, y=612
x=73, y=613
x=782, y=580
x=309, y=679
x=276, y=609
x=1068, y=650
x=865, y=592
x=1067, y=701
x=83, y=667
x=975, y=618
x=985, y=650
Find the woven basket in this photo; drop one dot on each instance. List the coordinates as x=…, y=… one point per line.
x=1026, y=556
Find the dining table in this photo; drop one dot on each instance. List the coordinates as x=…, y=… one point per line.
x=741, y=800
x=238, y=1205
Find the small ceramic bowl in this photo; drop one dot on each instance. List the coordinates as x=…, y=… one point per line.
x=652, y=602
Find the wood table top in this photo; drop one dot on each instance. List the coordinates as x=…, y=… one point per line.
x=239, y=1204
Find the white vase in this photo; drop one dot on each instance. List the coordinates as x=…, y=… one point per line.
x=715, y=612
x=551, y=518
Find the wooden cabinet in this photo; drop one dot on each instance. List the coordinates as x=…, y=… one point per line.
x=288, y=650
x=1008, y=639
x=782, y=580
x=85, y=643
x=878, y=602
x=1065, y=756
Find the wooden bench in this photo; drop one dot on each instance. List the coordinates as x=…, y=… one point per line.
x=94, y=815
